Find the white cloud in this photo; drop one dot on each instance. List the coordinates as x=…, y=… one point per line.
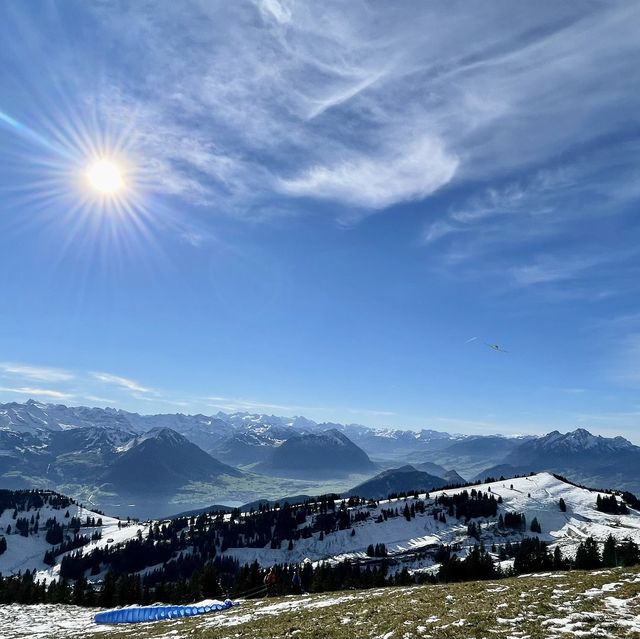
x=121, y=382
x=551, y=269
x=235, y=404
x=376, y=182
x=624, y=360
x=236, y=104
x=38, y=373
x=326, y=100
x=280, y=12
x=101, y=400
x=438, y=229
x=37, y=392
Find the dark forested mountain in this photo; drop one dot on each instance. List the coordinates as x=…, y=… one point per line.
x=579, y=455
x=250, y=446
x=470, y=455
x=392, y=443
x=326, y=454
x=78, y=454
x=451, y=476
x=161, y=461
x=20, y=453
x=396, y=480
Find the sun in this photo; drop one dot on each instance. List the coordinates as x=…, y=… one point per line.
x=105, y=177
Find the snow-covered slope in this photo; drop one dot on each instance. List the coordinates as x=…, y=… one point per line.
x=27, y=553
x=534, y=496
x=410, y=542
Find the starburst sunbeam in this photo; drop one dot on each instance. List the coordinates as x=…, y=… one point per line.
x=83, y=183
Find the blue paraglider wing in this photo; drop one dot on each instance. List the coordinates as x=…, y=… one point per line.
x=136, y=614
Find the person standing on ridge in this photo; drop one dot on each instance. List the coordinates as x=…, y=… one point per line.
x=296, y=582
x=270, y=582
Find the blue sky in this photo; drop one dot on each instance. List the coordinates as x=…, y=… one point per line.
x=325, y=202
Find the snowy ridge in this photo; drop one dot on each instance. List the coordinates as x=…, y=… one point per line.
x=580, y=440
x=535, y=496
x=409, y=543
x=27, y=553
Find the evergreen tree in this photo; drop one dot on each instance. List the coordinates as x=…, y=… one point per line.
x=588, y=555
x=629, y=553
x=535, y=525
x=558, y=561
x=108, y=592
x=609, y=552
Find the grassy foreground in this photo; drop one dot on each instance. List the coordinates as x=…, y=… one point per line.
x=597, y=604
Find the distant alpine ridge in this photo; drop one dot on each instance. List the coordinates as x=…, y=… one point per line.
x=585, y=458
x=326, y=454
x=196, y=460
x=396, y=481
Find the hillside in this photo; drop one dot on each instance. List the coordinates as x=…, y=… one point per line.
x=451, y=476
x=546, y=606
x=162, y=461
x=326, y=454
x=411, y=530
x=396, y=480
x=412, y=543
x=26, y=552
x=470, y=455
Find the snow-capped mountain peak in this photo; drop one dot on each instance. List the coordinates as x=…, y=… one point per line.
x=581, y=439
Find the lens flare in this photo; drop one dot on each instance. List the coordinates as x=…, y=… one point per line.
x=105, y=176
x=85, y=182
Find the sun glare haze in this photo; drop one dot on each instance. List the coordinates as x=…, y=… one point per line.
x=105, y=176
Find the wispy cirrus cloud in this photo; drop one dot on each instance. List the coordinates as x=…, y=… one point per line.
x=318, y=412
x=121, y=382
x=238, y=404
x=408, y=174
x=548, y=227
x=623, y=359
x=38, y=392
x=38, y=373
x=550, y=269
x=235, y=104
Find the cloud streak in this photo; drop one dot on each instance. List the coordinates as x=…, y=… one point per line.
x=413, y=173
x=37, y=392
x=37, y=373
x=121, y=382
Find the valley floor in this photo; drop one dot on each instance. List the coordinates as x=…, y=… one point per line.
x=598, y=604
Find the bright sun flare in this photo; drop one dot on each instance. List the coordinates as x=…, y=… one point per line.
x=105, y=177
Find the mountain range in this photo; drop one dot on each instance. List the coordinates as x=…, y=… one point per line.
x=585, y=458
x=195, y=460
